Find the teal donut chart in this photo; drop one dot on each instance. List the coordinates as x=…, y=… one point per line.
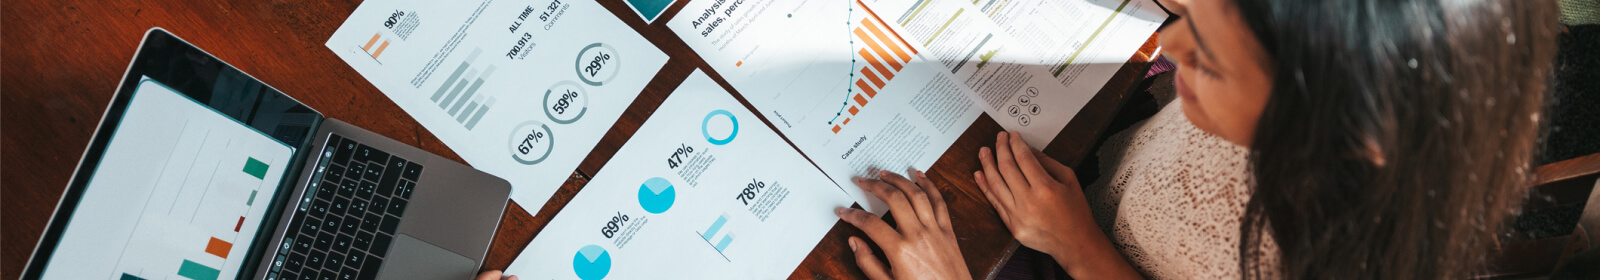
x=708, y=135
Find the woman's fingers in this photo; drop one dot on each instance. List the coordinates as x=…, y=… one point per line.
x=993, y=196
x=489, y=275
x=1007, y=163
x=990, y=194
x=891, y=195
x=1061, y=172
x=875, y=227
x=992, y=180
x=919, y=198
x=865, y=259
x=1026, y=162
x=942, y=215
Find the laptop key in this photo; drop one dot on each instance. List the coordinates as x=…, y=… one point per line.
x=339, y=206
x=314, y=262
x=348, y=188
x=328, y=275
x=350, y=224
x=347, y=274
x=397, y=207
x=378, y=205
x=366, y=190
x=412, y=171
x=362, y=241
x=318, y=209
x=296, y=261
x=326, y=190
x=346, y=148
x=387, y=189
x=335, y=261
x=358, y=206
x=389, y=225
x=330, y=223
x=303, y=244
x=335, y=172
x=355, y=258
x=371, y=222
x=380, y=244
x=392, y=171
x=374, y=172
x=324, y=241
x=366, y=154
x=369, y=269
x=311, y=227
x=342, y=242
x=355, y=170
x=406, y=192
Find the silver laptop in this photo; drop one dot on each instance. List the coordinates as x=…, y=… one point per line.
x=200, y=171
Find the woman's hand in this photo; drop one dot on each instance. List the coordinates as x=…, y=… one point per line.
x=924, y=247
x=1042, y=204
x=494, y=275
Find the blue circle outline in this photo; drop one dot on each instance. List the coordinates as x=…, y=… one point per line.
x=708, y=135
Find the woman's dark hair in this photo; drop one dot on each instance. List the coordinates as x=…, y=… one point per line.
x=1398, y=134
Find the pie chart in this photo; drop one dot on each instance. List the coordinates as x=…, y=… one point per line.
x=591, y=263
x=656, y=195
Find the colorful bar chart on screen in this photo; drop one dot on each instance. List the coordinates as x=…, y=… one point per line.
x=197, y=271
x=183, y=200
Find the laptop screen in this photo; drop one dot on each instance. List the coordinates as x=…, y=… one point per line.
x=179, y=193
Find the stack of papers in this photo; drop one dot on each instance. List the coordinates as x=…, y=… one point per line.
x=525, y=89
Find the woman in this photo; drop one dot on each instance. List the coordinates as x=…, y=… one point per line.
x=1347, y=139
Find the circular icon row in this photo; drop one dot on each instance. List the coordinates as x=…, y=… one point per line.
x=565, y=102
x=1025, y=107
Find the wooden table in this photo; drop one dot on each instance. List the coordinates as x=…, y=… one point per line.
x=62, y=59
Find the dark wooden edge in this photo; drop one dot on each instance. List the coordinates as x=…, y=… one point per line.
x=1557, y=183
x=1567, y=169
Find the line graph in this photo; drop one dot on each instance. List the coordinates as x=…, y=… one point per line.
x=885, y=56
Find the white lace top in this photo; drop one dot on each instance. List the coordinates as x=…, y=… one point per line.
x=1171, y=198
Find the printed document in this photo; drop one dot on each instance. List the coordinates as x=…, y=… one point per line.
x=704, y=190
x=862, y=85
x=522, y=89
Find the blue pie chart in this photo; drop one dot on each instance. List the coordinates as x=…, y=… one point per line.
x=656, y=195
x=591, y=263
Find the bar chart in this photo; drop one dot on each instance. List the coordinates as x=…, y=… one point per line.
x=710, y=235
x=885, y=56
x=174, y=195
x=466, y=106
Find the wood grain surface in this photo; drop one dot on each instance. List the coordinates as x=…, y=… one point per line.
x=61, y=60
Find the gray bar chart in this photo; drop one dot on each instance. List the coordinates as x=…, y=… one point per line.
x=458, y=95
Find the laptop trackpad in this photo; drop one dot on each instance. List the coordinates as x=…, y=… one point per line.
x=414, y=259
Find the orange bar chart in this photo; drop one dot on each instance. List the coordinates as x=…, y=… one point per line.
x=885, y=54
x=218, y=247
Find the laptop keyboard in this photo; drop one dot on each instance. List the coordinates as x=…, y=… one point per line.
x=348, y=216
